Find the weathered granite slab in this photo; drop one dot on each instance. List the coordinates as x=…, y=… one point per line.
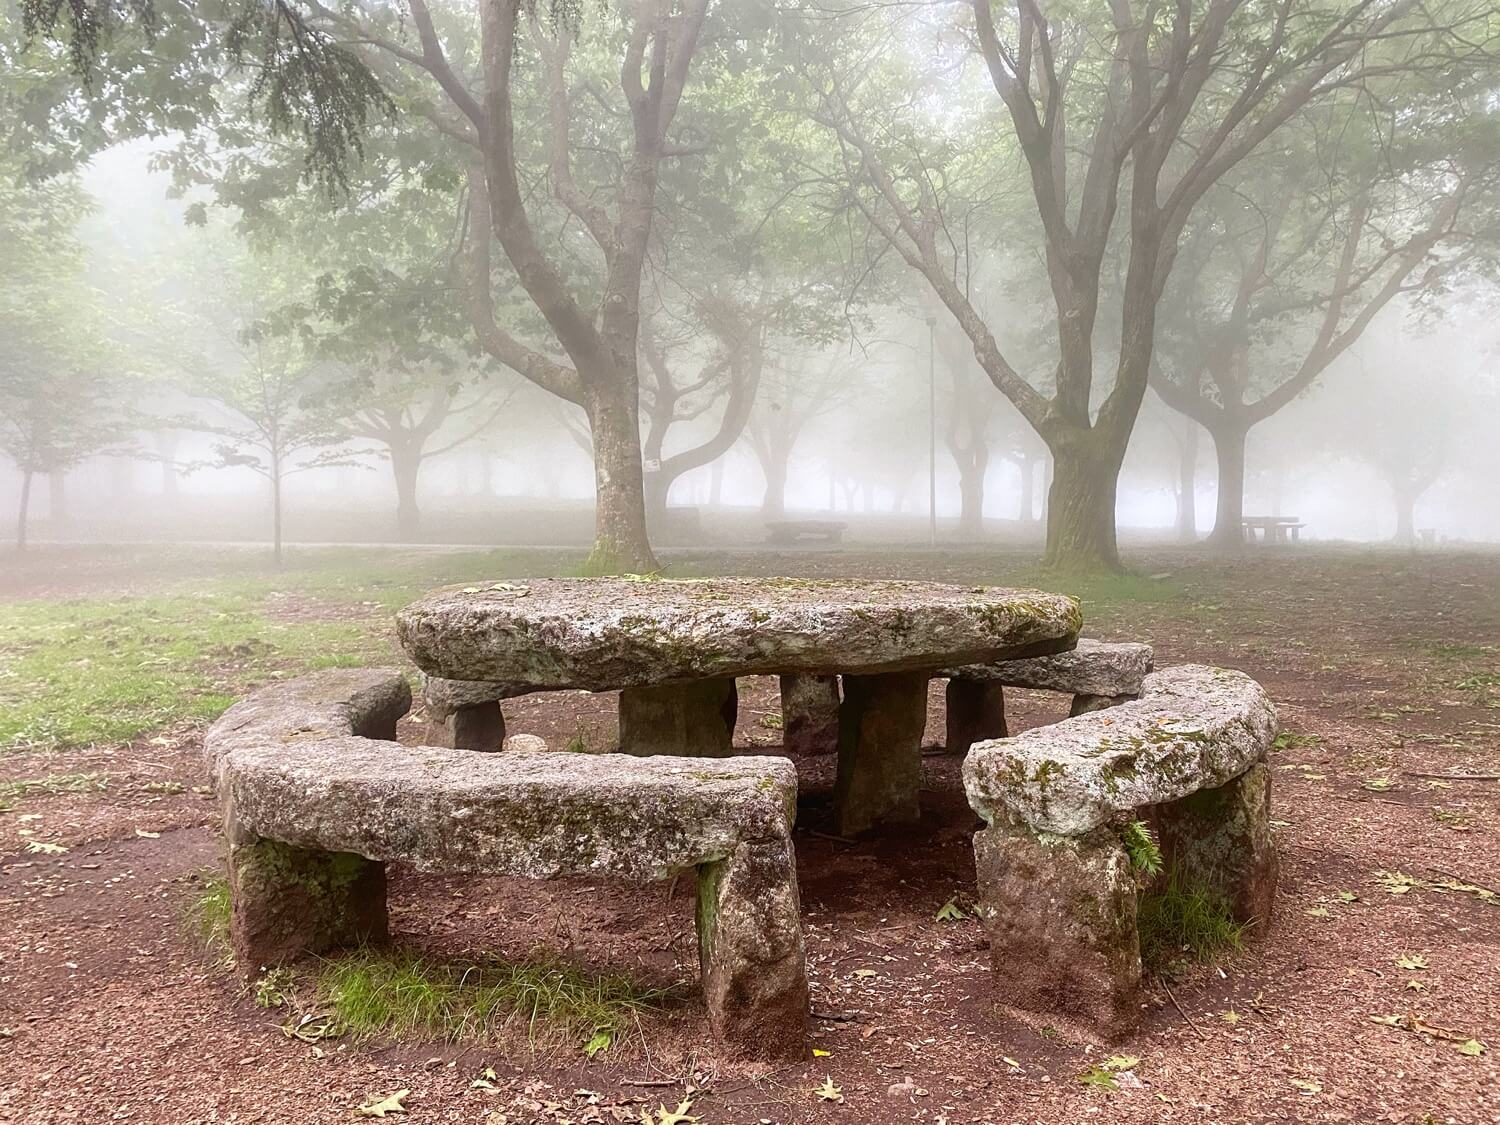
x=444, y=697
x=335, y=702
x=1193, y=728
x=607, y=633
x=1103, y=668
x=314, y=807
x=518, y=813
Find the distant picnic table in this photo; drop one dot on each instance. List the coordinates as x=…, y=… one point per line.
x=789, y=531
x=1272, y=529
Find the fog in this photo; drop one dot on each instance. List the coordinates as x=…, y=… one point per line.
x=855, y=293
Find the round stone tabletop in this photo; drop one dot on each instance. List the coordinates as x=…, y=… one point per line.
x=607, y=633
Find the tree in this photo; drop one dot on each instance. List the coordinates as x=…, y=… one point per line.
x=60, y=400
x=327, y=71
x=800, y=388
x=1136, y=114
x=248, y=345
x=1290, y=263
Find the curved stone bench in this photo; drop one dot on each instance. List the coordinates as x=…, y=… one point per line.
x=1097, y=674
x=317, y=800
x=1055, y=884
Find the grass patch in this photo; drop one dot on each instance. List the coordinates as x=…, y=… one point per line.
x=391, y=992
x=84, y=671
x=208, y=914
x=1179, y=924
x=108, y=669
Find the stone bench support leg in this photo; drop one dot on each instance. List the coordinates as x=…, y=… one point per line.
x=809, y=714
x=480, y=727
x=1220, y=840
x=286, y=901
x=750, y=949
x=694, y=720
x=976, y=711
x=1061, y=917
x=1083, y=704
x=880, y=750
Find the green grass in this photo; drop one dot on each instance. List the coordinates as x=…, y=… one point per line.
x=1180, y=924
x=208, y=914
x=399, y=993
x=88, y=670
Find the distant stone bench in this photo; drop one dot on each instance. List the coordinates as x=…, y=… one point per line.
x=785, y=532
x=1056, y=888
x=318, y=798
x=1096, y=674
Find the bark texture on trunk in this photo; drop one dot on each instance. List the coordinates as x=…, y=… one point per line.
x=1081, y=510
x=1229, y=511
x=621, y=542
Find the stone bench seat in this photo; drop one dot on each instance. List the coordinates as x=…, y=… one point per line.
x=317, y=798
x=1056, y=887
x=1096, y=674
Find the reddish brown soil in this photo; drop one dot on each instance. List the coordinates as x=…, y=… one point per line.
x=109, y=1010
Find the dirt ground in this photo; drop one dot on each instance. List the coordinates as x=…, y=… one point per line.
x=1385, y=667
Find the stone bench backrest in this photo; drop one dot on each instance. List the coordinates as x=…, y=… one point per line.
x=1104, y=668
x=291, y=768
x=1193, y=728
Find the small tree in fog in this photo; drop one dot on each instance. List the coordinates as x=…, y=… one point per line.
x=60, y=402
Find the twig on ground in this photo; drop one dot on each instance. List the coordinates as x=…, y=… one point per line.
x=1198, y=1031
x=1454, y=776
x=1462, y=879
x=836, y=1017
x=830, y=836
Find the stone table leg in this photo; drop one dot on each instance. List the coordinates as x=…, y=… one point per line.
x=1061, y=917
x=695, y=720
x=880, y=750
x=976, y=711
x=750, y=949
x=286, y=901
x=478, y=727
x=809, y=714
x=1219, y=840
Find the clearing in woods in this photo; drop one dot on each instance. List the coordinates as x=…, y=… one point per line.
x=1374, y=997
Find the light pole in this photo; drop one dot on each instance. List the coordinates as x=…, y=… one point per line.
x=931, y=432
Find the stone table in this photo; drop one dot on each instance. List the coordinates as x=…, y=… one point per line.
x=673, y=648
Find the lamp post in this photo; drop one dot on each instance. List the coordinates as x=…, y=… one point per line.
x=931, y=432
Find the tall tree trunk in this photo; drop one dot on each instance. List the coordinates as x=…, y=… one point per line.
x=658, y=487
x=1027, y=466
x=1187, y=484
x=23, y=508
x=1406, y=518
x=774, y=468
x=1229, y=514
x=1081, y=505
x=276, y=512
x=166, y=451
x=621, y=543
x=971, y=471
x=57, y=498
x=406, y=467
